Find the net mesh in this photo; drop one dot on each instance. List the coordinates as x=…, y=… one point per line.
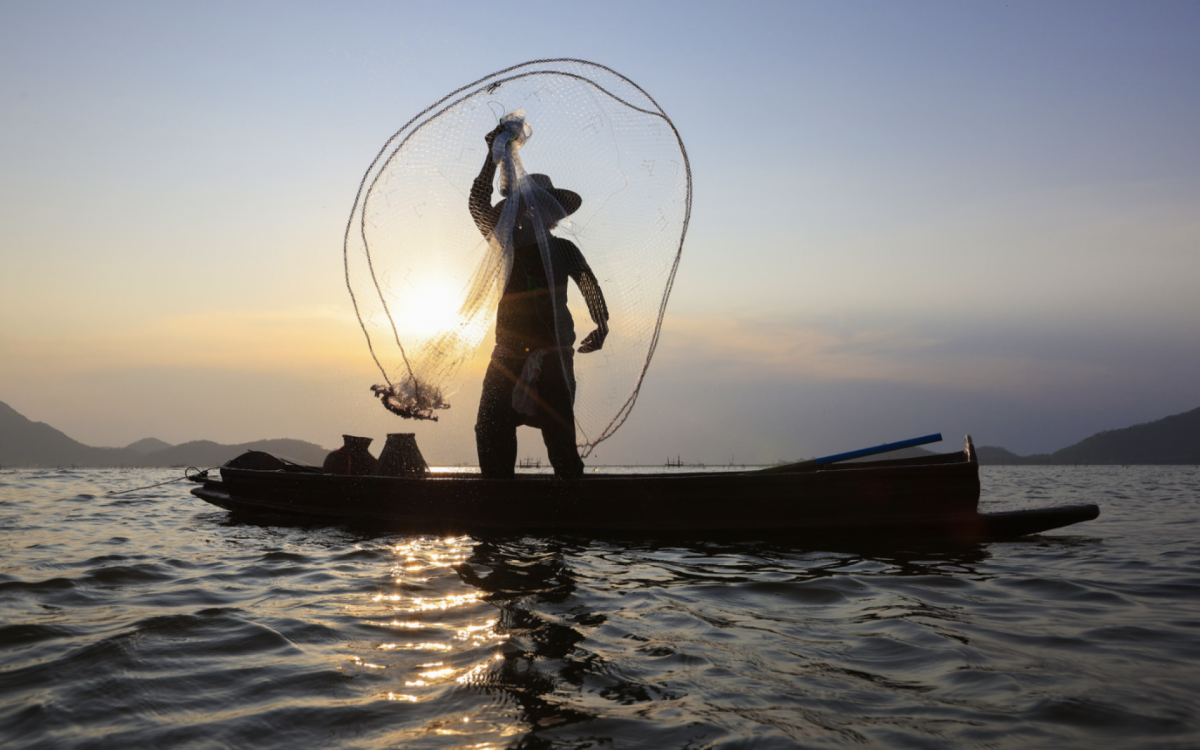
x=425, y=282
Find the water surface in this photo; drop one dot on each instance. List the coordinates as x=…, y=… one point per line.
x=151, y=619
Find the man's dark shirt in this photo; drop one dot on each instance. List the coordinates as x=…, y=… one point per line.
x=525, y=318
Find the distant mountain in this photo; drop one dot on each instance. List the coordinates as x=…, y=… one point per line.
x=1171, y=440
x=148, y=445
x=991, y=455
x=205, y=453
x=27, y=443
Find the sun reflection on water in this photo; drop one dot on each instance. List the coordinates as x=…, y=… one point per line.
x=426, y=604
x=443, y=634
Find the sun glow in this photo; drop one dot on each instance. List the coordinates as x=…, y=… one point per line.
x=426, y=310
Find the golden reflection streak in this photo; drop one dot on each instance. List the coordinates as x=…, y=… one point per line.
x=422, y=604
x=468, y=633
x=473, y=673
x=416, y=556
x=431, y=676
x=359, y=662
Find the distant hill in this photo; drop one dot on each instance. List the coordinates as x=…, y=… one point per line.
x=24, y=442
x=148, y=445
x=1171, y=440
x=991, y=455
x=27, y=443
x=205, y=453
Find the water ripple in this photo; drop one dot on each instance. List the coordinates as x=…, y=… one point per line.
x=149, y=619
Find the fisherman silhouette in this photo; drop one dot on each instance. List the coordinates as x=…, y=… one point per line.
x=531, y=378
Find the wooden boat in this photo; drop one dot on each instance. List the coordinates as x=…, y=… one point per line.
x=901, y=499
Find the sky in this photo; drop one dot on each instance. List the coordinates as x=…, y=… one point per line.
x=966, y=218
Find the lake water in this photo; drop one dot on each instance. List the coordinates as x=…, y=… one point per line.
x=152, y=619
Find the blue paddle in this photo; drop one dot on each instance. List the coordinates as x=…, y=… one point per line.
x=813, y=464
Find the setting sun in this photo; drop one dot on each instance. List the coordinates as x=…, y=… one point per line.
x=427, y=310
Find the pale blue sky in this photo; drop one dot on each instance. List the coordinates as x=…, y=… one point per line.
x=908, y=217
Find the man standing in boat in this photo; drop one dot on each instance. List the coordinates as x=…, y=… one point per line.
x=531, y=377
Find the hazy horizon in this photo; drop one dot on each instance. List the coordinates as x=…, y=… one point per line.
x=907, y=219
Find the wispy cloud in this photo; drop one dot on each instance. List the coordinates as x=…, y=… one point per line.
x=959, y=357
x=297, y=340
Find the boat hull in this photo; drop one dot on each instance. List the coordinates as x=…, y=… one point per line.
x=927, y=497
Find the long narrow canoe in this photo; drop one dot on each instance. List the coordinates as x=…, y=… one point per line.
x=928, y=497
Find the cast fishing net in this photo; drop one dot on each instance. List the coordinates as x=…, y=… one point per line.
x=426, y=281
